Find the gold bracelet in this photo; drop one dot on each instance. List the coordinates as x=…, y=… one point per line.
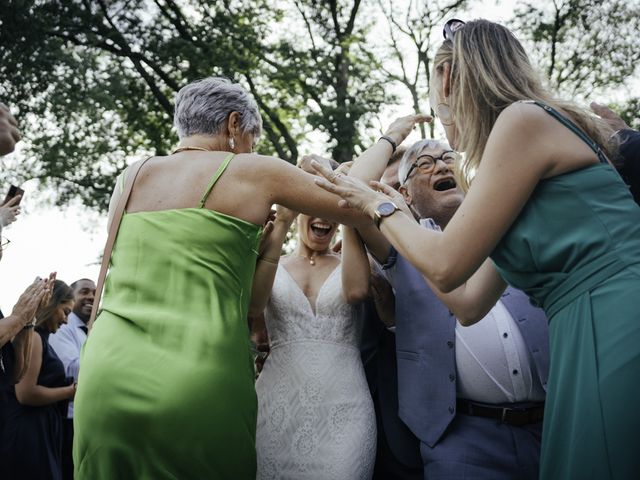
x=269, y=260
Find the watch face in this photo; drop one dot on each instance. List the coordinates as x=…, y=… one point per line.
x=386, y=208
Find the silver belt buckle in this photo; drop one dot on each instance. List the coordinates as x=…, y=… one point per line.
x=504, y=414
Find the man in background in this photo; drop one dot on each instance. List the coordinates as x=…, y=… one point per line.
x=67, y=343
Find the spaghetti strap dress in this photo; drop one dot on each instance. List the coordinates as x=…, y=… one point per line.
x=31, y=442
x=166, y=384
x=575, y=250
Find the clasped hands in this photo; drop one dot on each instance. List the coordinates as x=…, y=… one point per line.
x=34, y=298
x=357, y=194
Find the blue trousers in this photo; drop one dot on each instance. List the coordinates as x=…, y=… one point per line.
x=482, y=448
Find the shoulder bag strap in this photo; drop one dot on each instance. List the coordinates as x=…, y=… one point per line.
x=132, y=173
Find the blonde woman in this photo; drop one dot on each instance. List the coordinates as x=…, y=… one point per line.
x=315, y=414
x=546, y=213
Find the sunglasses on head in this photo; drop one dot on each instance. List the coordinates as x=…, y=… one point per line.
x=451, y=27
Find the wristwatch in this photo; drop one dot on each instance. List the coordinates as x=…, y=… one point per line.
x=384, y=209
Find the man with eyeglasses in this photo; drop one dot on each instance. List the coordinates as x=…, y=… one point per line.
x=474, y=396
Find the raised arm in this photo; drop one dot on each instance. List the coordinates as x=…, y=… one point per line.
x=355, y=267
x=269, y=258
x=295, y=189
x=500, y=190
x=371, y=166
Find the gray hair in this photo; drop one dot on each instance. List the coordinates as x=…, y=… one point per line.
x=203, y=106
x=415, y=150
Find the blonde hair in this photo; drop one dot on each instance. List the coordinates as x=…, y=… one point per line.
x=489, y=71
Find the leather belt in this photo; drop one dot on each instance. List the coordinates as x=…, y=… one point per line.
x=515, y=416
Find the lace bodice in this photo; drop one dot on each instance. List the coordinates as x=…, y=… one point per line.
x=315, y=415
x=290, y=318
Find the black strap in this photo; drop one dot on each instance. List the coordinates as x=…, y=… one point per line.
x=573, y=127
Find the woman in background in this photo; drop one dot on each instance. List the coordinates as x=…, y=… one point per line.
x=32, y=438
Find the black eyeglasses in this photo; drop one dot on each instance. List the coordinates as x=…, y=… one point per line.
x=427, y=163
x=451, y=27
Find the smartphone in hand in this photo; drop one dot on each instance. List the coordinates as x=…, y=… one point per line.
x=13, y=192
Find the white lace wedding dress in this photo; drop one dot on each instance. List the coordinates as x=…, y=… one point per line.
x=315, y=414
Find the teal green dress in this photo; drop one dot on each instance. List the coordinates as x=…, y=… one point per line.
x=575, y=249
x=166, y=385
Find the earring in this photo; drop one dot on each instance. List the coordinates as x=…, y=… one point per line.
x=444, y=114
x=232, y=143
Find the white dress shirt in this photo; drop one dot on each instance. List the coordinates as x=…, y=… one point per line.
x=493, y=363
x=67, y=342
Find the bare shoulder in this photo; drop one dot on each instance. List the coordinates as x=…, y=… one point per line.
x=271, y=173
x=262, y=163
x=521, y=134
x=521, y=129
x=36, y=344
x=521, y=118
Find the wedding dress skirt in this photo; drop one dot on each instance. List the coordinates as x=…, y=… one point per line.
x=315, y=414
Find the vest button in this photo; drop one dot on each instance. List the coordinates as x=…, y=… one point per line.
x=450, y=344
x=452, y=377
x=451, y=410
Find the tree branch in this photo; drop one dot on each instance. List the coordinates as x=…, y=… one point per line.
x=306, y=22
x=282, y=128
x=352, y=17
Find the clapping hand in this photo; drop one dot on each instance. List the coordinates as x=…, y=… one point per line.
x=36, y=296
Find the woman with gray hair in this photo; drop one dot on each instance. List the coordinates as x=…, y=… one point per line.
x=166, y=386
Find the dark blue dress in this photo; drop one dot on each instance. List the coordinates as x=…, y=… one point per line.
x=31, y=445
x=6, y=377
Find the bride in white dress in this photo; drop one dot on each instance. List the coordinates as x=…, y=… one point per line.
x=315, y=414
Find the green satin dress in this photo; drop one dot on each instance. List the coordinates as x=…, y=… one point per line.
x=575, y=249
x=166, y=385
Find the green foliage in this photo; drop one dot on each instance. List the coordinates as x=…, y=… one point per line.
x=414, y=36
x=582, y=45
x=333, y=71
x=93, y=81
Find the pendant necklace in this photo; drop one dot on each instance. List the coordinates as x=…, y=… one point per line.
x=312, y=258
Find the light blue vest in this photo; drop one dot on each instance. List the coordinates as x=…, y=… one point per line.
x=425, y=348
